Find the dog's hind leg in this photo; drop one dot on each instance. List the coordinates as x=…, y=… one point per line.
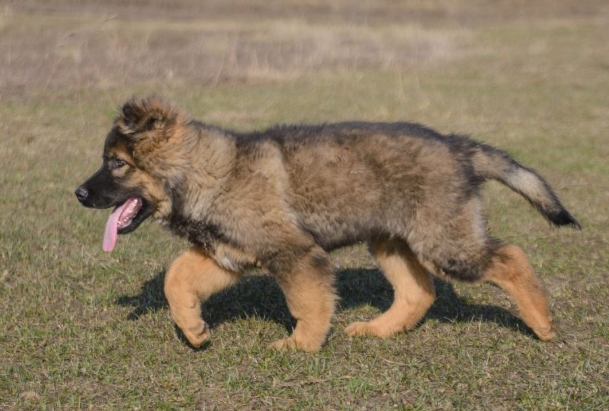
x=413, y=290
x=308, y=285
x=510, y=269
x=190, y=279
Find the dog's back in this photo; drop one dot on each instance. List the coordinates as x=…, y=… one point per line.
x=350, y=182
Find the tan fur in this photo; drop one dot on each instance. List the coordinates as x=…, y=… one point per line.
x=192, y=278
x=510, y=269
x=311, y=299
x=413, y=290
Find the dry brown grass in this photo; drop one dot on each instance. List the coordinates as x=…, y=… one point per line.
x=83, y=44
x=105, y=52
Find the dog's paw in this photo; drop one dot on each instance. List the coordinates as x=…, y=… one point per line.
x=545, y=334
x=291, y=343
x=367, y=328
x=197, y=336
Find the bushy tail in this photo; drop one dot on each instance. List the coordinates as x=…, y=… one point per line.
x=491, y=163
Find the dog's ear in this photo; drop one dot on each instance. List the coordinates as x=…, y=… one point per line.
x=151, y=117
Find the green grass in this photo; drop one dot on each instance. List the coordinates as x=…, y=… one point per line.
x=86, y=330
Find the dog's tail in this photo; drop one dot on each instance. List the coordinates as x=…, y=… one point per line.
x=491, y=163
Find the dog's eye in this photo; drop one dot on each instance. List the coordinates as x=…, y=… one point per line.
x=115, y=163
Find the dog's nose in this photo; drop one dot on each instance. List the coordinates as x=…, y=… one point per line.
x=81, y=193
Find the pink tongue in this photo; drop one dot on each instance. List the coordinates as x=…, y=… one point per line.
x=112, y=225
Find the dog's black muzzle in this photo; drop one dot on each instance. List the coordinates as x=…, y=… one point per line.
x=101, y=191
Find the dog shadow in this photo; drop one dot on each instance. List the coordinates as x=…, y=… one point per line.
x=259, y=296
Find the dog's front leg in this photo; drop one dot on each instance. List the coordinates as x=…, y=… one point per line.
x=192, y=278
x=308, y=284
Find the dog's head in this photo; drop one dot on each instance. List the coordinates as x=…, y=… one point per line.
x=139, y=160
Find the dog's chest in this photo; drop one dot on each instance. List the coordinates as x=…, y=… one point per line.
x=232, y=258
x=213, y=241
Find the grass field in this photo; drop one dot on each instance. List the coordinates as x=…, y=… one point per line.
x=81, y=329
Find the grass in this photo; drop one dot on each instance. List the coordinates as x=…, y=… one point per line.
x=87, y=330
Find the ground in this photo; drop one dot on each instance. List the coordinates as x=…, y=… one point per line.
x=82, y=329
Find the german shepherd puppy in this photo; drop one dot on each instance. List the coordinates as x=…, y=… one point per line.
x=282, y=198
